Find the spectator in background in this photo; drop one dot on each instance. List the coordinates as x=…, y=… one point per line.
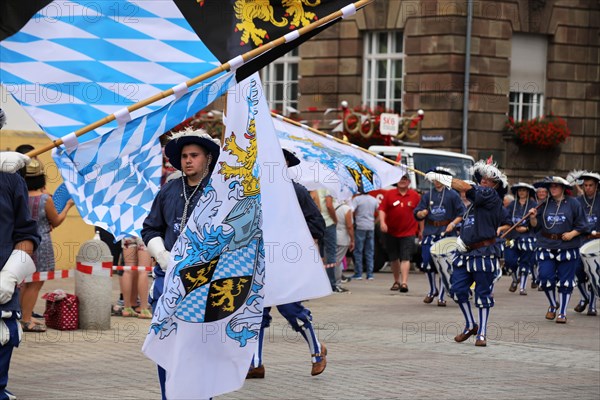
x=42, y=209
x=328, y=246
x=135, y=283
x=365, y=210
x=345, y=240
x=400, y=228
x=116, y=252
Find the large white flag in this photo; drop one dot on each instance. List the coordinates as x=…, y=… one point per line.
x=206, y=323
x=342, y=169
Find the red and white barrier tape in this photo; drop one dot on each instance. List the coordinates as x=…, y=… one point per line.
x=86, y=269
x=50, y=275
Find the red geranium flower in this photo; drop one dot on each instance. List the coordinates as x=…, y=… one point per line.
x=542, y=132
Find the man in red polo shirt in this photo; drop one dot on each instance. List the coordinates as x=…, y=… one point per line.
x=400, y=229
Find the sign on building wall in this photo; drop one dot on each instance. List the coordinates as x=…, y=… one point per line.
x=388, y=124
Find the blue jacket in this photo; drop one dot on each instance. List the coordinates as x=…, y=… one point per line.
x=483, y=218
x=447, y=205
x=164, y=219
x=591, y=210
x=554, y=218
x=515, y=212
x=16, y=224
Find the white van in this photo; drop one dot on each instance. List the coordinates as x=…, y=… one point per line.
x=425, y=160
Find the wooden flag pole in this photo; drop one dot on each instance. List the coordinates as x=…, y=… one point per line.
x=222, y=68
x=318, y=132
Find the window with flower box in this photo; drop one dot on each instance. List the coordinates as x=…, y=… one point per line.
x=527, y=76
x=382, y=76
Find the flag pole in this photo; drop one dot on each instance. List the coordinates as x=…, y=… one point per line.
x=318, y=132
x=221, y=68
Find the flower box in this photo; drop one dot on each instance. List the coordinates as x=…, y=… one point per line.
x=543, y=132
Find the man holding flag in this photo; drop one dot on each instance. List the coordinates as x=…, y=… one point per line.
x=195, y=154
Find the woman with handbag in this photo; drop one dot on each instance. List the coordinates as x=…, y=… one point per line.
x=44, y=212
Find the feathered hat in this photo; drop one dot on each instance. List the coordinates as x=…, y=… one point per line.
x=574, y=177
x=590, y=175
x=192, y=136
x=483, y=169
x=442, y=170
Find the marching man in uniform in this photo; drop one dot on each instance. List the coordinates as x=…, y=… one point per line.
x=559, y=222
x=590, y=201
x=478, y=253
x=19, y=240
x=441, y=210
x=519, y=253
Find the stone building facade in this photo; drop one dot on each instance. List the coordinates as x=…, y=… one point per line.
x=332, y=66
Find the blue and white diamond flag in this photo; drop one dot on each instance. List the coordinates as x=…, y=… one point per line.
x=72, y=62
x=114, y=178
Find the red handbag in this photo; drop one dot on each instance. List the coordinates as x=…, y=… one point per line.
x=62, y=311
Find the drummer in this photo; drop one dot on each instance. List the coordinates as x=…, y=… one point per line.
x=558, y=223
x=478, y=254
x=519, y=252
x=590, y=201
x=441, y=211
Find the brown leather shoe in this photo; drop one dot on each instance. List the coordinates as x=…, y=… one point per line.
x=580, y=307
x=319, y=367
x=523, y=292
x=592, y=312
x=534, y=285
x=256, y=373
x=513, y=287
x=441, y=303
x=480, y=342
x=551, y=313
x=464, y=335
x=561, y=319
x=429, y=298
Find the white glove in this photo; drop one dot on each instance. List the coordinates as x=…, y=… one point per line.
x=4, y=333
x=444, y=179
x=461, y=246
x=11, y=161
x=18, y=266
x=156, y=248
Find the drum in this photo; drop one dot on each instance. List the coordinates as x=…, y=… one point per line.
x=442, y=253
x=590, y=255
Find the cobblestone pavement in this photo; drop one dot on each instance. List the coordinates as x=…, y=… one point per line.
x=382, y=345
